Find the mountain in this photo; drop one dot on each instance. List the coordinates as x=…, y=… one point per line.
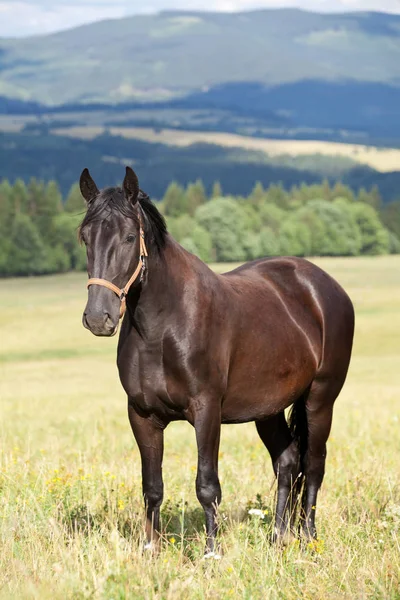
x=173, y=54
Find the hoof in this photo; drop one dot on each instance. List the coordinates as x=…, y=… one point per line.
x=283, y=539
x=151, y=548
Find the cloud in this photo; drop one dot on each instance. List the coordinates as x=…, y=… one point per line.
x=45, y=16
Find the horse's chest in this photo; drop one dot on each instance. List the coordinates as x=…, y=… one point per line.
x=150, y=384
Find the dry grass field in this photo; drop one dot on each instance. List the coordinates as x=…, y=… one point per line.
x=70, y=482
x=381, y=159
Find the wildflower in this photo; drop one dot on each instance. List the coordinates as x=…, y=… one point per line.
x=172, y=540
x=316, y=546
x=257, y=512
x=121, y=505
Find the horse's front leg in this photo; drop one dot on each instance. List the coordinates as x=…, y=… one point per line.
x=207, y=424
x=149, y=436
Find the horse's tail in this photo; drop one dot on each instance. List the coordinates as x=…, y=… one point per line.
x=297, y=422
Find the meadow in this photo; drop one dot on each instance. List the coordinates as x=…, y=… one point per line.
x=384, y=160
x=71, y=515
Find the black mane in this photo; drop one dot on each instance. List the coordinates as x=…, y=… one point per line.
x=113, y=200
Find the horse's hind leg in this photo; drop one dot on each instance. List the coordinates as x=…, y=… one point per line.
x=276, y=436
x=318, y=412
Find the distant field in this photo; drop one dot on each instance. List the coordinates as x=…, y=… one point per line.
x=70, y=498
x=381, y=159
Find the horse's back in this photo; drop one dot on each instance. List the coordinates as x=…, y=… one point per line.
x=294, y=277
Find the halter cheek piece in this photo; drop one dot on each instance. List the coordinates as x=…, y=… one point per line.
x=122, y=293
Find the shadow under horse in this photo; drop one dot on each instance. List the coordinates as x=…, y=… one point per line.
x=211, y=349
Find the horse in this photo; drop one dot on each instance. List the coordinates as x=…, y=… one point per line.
x=216, y=349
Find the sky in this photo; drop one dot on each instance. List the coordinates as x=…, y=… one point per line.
x=30, y=17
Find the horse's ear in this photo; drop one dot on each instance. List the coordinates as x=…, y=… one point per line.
x=131, y=185
x=88, y=187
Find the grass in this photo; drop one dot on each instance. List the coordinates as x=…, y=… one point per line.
x=384, y=160
x=70, y=483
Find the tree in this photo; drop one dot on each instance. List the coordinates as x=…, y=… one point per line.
x=203, y=242
x=252, y=245
x=276, y=194
x=19, y=197
x=294, y=238
x=340, y=190
x=195, y=196
x=394, y=243
x=75, y=202
x=223, y=218
x=175, y=202
x=272, y=216
x=342, y=235
x=36, y=192
x=391, y=217
x=315, y=226
x=190, y=246
x=6, y=219
x=258, y=195
x=374, y=236
x=269, y=242
x=69, y=253
x=6, y=207
x=48, y=205
x=375, y=198
x=252, y=221
x=27, y=254
x=181, y=227
x=217, y=190
x=363, y=196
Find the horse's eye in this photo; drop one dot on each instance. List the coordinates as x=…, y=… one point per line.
x=131, y=238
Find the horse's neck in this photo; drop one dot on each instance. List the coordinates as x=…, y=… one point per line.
x=167, y=278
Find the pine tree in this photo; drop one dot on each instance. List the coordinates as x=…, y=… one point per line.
x=75, y=202
x=195, y=196
x=217, y=190
x=48, y=206
x=258, y=195
x=6, y=219
x=19, y=197
x=375, y=198
x=36, y=191
x=276, y=194
x=340, y=190
x=175, y=202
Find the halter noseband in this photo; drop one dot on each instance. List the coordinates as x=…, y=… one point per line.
x=122, y=293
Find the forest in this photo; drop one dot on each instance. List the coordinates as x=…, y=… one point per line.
x=38, y=227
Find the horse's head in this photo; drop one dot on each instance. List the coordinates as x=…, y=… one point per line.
x=111, y=232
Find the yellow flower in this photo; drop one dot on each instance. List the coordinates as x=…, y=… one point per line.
x=316, y=546
x=172, y=540
x=121, y=505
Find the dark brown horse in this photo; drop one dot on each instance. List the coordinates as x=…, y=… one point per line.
x=212, y=349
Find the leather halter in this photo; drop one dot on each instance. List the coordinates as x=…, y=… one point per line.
x=122, y=293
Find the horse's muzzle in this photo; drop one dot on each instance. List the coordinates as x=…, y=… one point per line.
x=100, y=324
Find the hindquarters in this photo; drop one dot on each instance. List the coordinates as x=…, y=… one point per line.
x=291, y=324
x=298, y=447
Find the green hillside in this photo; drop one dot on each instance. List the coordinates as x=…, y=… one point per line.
x=174, y=53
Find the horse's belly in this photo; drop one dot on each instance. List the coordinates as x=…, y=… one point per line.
x=259, y=389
